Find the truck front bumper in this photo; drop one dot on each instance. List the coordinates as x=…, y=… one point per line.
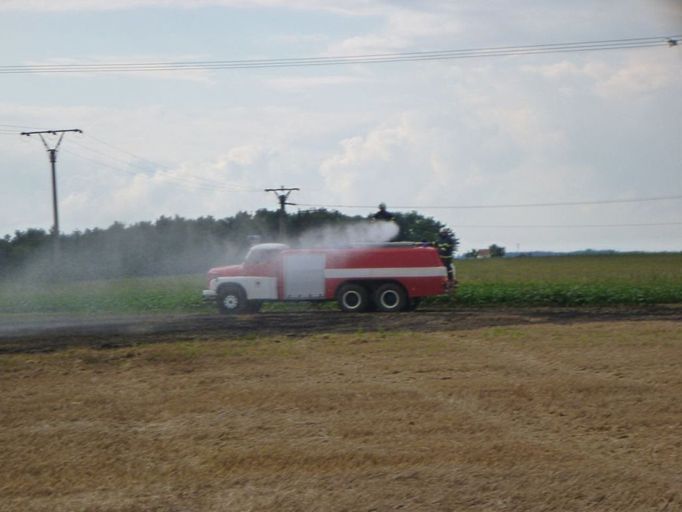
x=208, y=295
x=451, y=286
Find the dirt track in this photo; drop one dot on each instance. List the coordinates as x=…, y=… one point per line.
x=46, y=333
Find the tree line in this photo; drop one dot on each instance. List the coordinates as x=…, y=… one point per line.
x=493, y=251
x=172, y=245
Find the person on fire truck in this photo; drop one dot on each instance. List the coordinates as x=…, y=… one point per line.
x=383, y=214
x=446, y=247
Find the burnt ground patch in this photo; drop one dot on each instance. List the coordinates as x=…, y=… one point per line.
x=45, y=333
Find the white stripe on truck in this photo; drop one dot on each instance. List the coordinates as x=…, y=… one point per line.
x=348, y=273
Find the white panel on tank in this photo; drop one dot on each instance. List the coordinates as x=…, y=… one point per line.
x=304, y=276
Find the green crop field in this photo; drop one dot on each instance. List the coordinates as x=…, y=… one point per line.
x=572, y=280
x=130, y=295
x=560, y=280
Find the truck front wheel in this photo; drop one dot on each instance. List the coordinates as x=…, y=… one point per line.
x=353, y=298
x=413, y=304
x=390, y=297
x=253, y=306
x=231, y=300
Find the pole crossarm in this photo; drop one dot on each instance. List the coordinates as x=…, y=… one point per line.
x=52, y=132
x=282, y=189
x=61, y=133
x=282, y=194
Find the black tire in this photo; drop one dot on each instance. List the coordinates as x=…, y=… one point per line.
x=413, y=304
x=390, y=297
x=353, y=298
x=231, y=300
x=253, y=306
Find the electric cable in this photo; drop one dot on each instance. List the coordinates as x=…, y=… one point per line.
x=166, y=167
x=510, y=205
x=22, y=127
x=168, y=179
x=630, y=225
x=427, y=55
x=190, y=180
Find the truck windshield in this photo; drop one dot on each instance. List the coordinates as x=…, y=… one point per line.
x=258, y=255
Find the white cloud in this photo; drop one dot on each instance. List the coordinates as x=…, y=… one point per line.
x=339, y=6
x=528, y=129
x=219, y=186
x=364, y=163
x=404, y=28
x=618, y=79
x=299, y=83
x=639, y=76
x=300, y=38
x=243, y=155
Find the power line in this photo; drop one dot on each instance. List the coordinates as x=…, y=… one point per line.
x=283, y=198
x=197, y=182
x=190, y=180
x=504, y=226
x=167, y=168
x=513, y=205
x=209, y=185
x=10, y=129
x=165, y=176
x=116, y=148
x=428, y=55
x=18, y=126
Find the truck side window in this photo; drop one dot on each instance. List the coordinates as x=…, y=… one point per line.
x=261, y=256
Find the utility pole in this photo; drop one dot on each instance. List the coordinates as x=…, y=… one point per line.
x=52, y=153
x=282, y=196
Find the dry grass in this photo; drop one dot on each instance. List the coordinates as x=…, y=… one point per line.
x=579, y=417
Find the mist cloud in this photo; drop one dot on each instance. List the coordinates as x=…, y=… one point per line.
x=362, y=232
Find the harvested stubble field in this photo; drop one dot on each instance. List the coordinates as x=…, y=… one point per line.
x=581, y=416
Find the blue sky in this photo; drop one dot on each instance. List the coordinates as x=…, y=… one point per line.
x=527, y=129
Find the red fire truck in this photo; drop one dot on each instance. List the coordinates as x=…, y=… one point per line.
x=389, y=277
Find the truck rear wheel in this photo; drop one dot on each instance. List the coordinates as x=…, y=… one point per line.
x=231, y=300
x=353, y=298
x=390, y=297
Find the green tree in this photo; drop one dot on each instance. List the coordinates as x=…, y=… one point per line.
x=496, y=251
x=172, y=245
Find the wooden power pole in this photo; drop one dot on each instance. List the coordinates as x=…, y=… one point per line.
x=282, y=194
x=52, y=153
